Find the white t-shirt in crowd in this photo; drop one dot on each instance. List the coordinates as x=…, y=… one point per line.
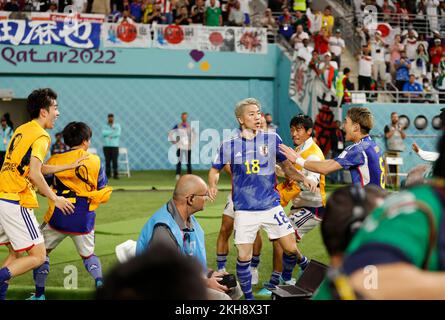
x=336, y=45
x=378, y=51
x=411, y=48
x=365, y=66
x=301, y=36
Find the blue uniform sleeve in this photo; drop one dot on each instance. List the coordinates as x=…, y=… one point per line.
x=221, y=158
x=102, y=179
x=280, y=157
x=351, y=158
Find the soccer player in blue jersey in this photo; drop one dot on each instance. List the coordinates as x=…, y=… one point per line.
x=252, y=156
x=363, y=159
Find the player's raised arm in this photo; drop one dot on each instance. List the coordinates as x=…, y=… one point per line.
x=37, y=179
x=324, y=167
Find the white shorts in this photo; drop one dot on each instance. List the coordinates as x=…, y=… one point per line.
x=18, y=227
x=84, y=242
x=303, y=221
x=228, y=209
x=274, y=221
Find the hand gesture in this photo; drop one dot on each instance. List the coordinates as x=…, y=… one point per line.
x=64, y=205
x=79, y=162
x=310, y=184
x=213, y=191
x=290, y=153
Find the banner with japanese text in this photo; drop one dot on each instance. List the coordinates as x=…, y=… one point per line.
x=83, y=35
x=216, y=39
x=175, y=37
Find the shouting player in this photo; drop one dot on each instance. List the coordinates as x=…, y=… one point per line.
x=20, y=174
x=252, y=156
x=363, y=159
x=86, y=187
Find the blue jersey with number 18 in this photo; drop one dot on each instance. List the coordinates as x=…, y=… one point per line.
x=252, y=163
x=365, y=162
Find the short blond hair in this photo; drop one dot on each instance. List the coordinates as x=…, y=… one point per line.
x=363, y=117
x=241, y=106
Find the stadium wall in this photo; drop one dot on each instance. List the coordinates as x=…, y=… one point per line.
x=148, y=98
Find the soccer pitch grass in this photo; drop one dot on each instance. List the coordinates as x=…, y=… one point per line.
x=133, y=201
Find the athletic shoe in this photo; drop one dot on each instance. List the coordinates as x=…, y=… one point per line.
x=99, y=283
x=33, y=297
x=290, y=282
x=255, y=276
x=266, y=290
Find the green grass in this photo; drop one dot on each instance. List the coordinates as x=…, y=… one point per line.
x=122, y=218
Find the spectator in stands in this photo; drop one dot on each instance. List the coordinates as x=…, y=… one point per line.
x=421, y=41
x=58, y=146
x=328, y=70
x=420, y=63
x=12, y=6
x=431, y=10
x=286, y=24
x=156, y=16
x=337, y=46
x=236, y=16
x=411, y=45
x=403, y=67
x=315, y=19
x=269, y=22
x=198, y=12
x=436, y=52
x=80, y=5
x=365, y=67
x=435, y=76
x=378, y=53
x=301, y=19
x=213, y=15
x=136, y=10
x=297, y=38
x=305, y=52
x=395, y=51
x=183, y=19
x=315, y=62
x=321, y=41
x=413, y=88
x=6, y=133
x=147, y=9
x=327, y=20
x=429, y=93
x=269, y=121
x=441, y=13
x=52, y=8
x=101, y=7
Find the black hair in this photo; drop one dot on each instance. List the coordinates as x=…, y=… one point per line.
x=439, y=165
x=160, y=273
x=40, y=99
x=346, y=209
x=110, y=115
x=346, y=70
x=302, y=120
x=75, y=133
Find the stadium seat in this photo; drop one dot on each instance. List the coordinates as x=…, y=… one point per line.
x=126, y=250
x=123, y=162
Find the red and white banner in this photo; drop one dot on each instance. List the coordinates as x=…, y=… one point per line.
x=125, y=34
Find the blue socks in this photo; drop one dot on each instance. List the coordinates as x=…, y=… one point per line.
x=289, y=263
x=40, y=275
x=303, y=263
x=5, y=275
x=245, y=278
x=3, y=288
x=94, y=268
x=221, y=260
x=255, y=261
x=275, y=278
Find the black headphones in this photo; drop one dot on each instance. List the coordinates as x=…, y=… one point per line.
x=358, y=196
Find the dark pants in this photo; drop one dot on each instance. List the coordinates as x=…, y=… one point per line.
x=111, y=154
x=2, y=158
x=179, y=154
x=364, y=83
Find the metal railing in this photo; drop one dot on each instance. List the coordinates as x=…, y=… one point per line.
x=421, y=23
x=364, y=96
